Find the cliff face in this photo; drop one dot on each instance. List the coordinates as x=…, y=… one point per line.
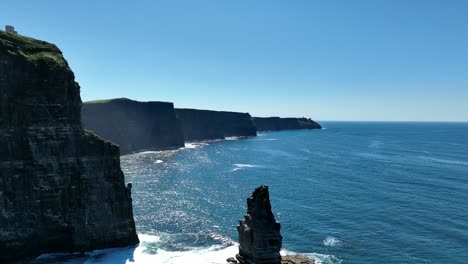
x=61, y=188
x=207, y=125
x=134, y=125
x=260, y=239
x=277, y=123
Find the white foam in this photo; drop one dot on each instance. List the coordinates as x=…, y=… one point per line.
x=158, y=161
x=149, y=251
x=194, y=145
x=331, y=242
x=243, y=166
x=319, y=258
x=233, y=138
x=145, y=152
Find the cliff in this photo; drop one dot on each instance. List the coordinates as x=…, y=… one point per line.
x=208, y=125
x=61, y=187
x=134, y=125
x=277, y=123
x=260, y=239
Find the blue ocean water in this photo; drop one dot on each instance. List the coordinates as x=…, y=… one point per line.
x=351, y=193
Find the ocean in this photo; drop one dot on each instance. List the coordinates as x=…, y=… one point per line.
x=354, y=192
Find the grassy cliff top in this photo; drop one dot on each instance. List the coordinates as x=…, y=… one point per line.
x=103, y=101
x=32, y=50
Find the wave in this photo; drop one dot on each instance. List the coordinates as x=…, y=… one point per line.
x=444, y=161
x=151, y=250
x=331, y=242
x=318, y=257
x=145, y=152
x=194, y=145
x=158, y=161
x=375, y=144
x=243, y=166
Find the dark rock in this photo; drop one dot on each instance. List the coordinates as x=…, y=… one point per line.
x=260, y=240
x=134, y=125
x=259, y=234
x=231, y=260
x=61, y=187
x=209, y=125
x=296, y=259
x=277, y=123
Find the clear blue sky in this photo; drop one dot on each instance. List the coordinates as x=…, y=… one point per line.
x=330, y=60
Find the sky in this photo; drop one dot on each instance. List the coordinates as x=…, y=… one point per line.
x=366, y=60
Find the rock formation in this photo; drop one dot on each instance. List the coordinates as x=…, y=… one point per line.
x=277, y=123
x=61, y=187
x=208, y=125
x=260, y=239
x=134, y=125
x=259, y=234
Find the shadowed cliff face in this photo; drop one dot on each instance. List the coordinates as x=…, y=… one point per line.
x=207, y=125
x=61, y=188
x=277, y=123
x=134, y=125
x=260, y=239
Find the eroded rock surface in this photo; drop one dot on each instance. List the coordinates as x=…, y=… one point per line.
x=133, y=125
x=260, y=239
x=208, y=125
x=259, y=233
x=61, y=187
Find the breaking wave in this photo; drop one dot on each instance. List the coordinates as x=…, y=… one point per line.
x=152, y=250
x=331, y=242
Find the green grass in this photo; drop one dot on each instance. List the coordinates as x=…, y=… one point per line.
x=103, y=101
x=32, y=50
x=98, y=101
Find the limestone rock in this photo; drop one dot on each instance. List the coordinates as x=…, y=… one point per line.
x=133, y=125
x=277, y=123
x=260, y=240
x=297, y=259
x=209, y=125
x=259, y=234
x=61, y=187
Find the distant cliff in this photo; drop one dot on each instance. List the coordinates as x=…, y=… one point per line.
x=134, y=125
x=208, y=125
x=61, y=188
x=277, y=123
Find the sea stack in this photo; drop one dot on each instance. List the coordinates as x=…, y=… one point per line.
x=260, y=239
x=61, y=187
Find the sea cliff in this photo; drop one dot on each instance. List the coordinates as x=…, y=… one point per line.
x=61, y=187
x=134, y=125
x=208, y=125
x=277, y=123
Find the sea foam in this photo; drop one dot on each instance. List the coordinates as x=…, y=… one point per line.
x=151, y=251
